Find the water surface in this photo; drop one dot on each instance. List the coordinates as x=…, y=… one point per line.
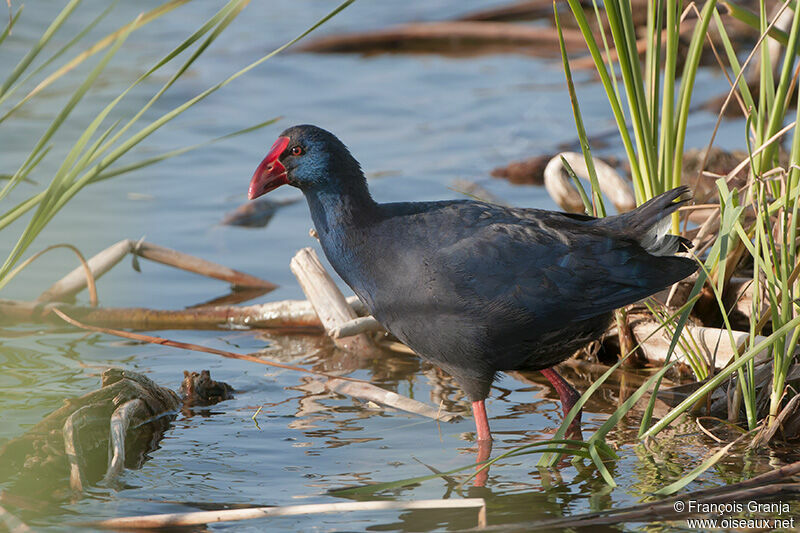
x=416, y=123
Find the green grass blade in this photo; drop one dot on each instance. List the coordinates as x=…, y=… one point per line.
x=218, y=23
x=34, y=226
x=99, y=46
x=52, y=203
x=62, y=115
x=672, y=488
x=667, y=141
x=613, y=97
x=733, y=60
x=587, y=203
x=34, y=51
x=694, y=294
x=597, y=198
x=11, y=24
x=601, y=467
x=628, y=404
x=690, y=67
x=778, y=110
x=61, y=51
x=174, y=153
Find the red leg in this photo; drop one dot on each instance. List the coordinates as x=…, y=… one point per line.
x=484, y=440
x=484, y=452
x=569, y=397
x=481, y=421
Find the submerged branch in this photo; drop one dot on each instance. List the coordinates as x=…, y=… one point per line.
x=228, y=515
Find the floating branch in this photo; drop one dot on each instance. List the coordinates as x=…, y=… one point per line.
x=285, y=314
x=188, y=262
x=104, y=261
x=455, y=37
x=256, y=213
x=367, y=391
x=229, y=515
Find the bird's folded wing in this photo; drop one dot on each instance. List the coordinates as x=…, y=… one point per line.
x=553, y=274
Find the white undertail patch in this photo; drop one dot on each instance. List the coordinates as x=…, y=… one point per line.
x=655, y=239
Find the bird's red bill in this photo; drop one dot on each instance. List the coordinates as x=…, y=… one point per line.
x=270, y=174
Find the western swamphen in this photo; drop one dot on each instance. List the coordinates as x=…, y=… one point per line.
x=473, y=287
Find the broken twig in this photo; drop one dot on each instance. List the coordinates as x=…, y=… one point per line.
x=363, y=324
x=326, y=298
x=367, y=391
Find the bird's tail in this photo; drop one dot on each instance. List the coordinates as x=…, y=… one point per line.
x=649, y=223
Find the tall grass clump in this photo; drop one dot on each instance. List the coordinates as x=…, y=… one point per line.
x=755, y=223
x=94, y=155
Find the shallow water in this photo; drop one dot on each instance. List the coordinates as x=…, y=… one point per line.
x=416, y=123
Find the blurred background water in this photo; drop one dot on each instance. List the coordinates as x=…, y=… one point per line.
x=416, y=123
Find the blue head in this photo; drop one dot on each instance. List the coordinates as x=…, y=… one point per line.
x=311, y=159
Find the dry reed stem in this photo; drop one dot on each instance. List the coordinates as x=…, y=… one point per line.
x=735, y=84
x=228, y=515
x=83, y=272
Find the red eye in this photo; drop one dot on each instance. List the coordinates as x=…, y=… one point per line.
x=297, y=150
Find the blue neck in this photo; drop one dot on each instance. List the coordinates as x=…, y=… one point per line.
x=333, y=210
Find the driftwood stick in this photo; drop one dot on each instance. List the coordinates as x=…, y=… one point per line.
x=76, y=281
x=228, y=515
x=364, y=324
x=367, y=391
x=285, y=314
x=104, y=261
x=188, y=262
x=326, y=298
x=560, y=188
x=442, y=36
